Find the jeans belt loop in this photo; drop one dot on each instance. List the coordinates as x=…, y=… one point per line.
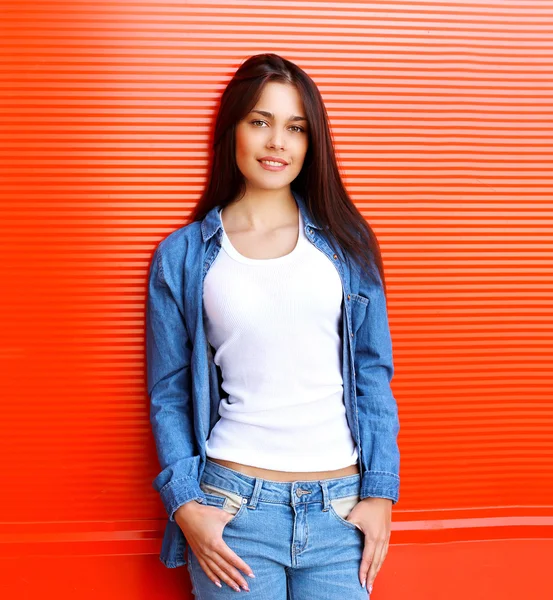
x=256, y=491
x=326, y=501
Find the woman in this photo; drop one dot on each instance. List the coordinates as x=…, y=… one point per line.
x=274, y=295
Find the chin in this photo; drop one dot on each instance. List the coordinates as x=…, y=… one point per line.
x=272, y=185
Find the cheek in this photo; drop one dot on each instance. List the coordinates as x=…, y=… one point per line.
x=246, y=146
x=301, y=152
x=243, y=152
x=240, y=143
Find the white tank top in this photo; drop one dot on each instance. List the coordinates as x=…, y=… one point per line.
x=274, y=325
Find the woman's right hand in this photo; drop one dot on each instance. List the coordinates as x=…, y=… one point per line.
x=203, y=525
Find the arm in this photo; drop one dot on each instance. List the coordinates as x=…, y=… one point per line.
x=378, y=411
x=168, y=353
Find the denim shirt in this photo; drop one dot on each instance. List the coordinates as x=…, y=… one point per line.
x=184, y=383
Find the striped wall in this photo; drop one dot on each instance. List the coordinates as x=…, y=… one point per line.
x=442, y=118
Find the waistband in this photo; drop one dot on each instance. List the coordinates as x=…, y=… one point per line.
x=266, y=490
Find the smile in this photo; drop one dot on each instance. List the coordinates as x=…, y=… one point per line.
x=272, y=165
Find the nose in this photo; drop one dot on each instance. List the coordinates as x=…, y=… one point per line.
x=276, y=141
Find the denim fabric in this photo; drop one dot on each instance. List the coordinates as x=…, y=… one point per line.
x=294, y=536
x=184, y=383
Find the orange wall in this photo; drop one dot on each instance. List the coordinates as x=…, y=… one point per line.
x=442, y=119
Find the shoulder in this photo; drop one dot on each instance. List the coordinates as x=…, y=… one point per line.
x=179, y=240
x=171, y=251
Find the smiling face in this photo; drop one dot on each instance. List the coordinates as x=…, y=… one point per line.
x=276, y=127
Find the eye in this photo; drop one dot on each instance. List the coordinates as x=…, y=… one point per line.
x=299, y=129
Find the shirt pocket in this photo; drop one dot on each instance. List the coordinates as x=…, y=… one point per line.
x=358, y=307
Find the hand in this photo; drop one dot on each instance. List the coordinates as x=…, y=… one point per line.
x=203, y=526
x=373, y=516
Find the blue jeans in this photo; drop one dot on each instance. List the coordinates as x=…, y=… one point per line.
x=293, y=535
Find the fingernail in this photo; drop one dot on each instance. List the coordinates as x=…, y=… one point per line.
x=237, y=589
x=251, y=575
x=245, y=588
x=363, y=584
x=370, y=589
x=218, y=583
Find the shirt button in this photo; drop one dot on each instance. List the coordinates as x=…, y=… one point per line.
x=348, y=296
x=244, y=500
x=335, y=256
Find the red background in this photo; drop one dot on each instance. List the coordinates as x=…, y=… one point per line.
x=442, y=119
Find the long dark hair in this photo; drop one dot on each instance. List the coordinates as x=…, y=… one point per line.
x=319, y=181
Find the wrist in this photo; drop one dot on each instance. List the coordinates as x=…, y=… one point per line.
x=377, y=499
x=187, y=507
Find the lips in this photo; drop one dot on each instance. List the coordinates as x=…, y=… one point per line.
x=273, y=159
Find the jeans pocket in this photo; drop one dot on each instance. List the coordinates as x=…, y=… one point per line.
x=230, y=502
x=340, y=508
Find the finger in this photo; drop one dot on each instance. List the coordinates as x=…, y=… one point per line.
x=385, y=552
x=224, y=560
x=366, y=560
x=221, y=569
x=230, y=556
x=209, y=572
x=377, y=561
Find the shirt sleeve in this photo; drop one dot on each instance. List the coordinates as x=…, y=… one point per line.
x=377, y=407
x=168, y=356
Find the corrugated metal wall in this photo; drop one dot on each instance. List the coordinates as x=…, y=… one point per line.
x=442, y=116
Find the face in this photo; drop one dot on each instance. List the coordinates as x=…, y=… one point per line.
x=277, y=135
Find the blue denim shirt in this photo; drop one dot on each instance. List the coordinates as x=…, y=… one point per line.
x=184, y=384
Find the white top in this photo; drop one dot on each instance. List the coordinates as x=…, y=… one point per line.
x=274, y=324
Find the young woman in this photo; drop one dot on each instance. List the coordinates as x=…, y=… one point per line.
x=269, y=360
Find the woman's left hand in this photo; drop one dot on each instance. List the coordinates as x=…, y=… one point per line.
x=373, y=516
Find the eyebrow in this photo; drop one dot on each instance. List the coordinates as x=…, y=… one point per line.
x=266, y=113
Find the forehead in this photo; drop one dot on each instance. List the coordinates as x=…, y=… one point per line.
x=280, y=98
